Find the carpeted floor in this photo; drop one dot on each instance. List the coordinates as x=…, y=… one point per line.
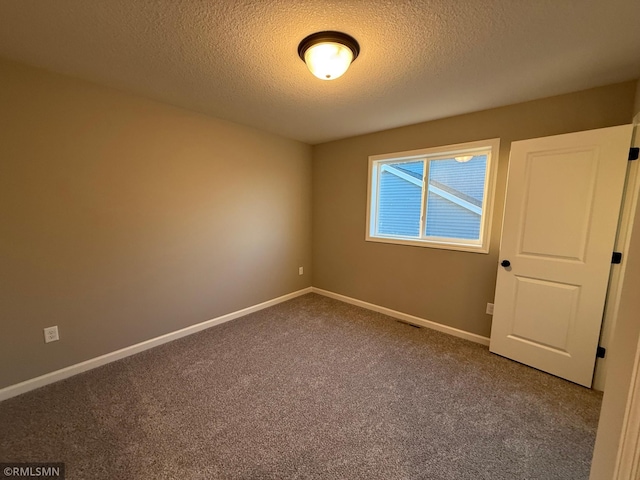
x=311, y=388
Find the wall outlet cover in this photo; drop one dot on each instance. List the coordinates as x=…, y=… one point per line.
x=51, y=334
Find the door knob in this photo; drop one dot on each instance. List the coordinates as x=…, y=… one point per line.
x=505, y=263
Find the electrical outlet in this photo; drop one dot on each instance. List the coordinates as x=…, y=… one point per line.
x=51, y=334
x=300, y=270
x=489, y=308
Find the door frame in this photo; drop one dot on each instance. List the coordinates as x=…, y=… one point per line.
x=617, y=449
x=627, y=465
x=630, y=199
x=628, y=458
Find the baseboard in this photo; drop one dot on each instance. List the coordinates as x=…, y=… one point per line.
x=41, y=381
x=405, y=317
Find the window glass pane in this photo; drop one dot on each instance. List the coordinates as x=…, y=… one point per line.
x=400, y=198
x=455, y=198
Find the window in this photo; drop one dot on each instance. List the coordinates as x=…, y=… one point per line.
x=437, y=197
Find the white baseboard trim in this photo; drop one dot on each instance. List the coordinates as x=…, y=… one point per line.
x=41, y=381
x=405, y=317
x=52, y=377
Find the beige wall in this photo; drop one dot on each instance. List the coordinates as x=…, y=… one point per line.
x=122, y=219
x=636, y=108
x=444, y=286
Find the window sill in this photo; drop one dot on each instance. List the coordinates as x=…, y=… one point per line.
x=461, y=247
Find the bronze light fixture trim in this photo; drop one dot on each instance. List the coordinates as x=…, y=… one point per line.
x=328, y=54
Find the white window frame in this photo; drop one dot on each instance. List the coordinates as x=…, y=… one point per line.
x=379, y=162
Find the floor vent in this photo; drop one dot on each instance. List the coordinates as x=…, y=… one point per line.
x=410, y=324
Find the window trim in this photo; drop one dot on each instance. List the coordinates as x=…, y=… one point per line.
x=434, y=153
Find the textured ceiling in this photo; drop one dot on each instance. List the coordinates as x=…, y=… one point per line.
x=420, y=60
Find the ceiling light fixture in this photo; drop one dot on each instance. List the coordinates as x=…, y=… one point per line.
x=328, y=54
x=463, y=158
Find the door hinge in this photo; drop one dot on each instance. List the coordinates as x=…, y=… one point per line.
x=601, y=352
x=633, y=153
x=616, y=258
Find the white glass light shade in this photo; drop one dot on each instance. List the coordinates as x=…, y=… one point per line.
x=463, y=158
x=328, y=60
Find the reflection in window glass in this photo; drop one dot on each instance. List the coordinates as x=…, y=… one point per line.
x=454, y=202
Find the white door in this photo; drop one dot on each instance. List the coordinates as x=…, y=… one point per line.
x=561, y=213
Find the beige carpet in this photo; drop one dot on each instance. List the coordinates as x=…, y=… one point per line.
x=311, y=388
